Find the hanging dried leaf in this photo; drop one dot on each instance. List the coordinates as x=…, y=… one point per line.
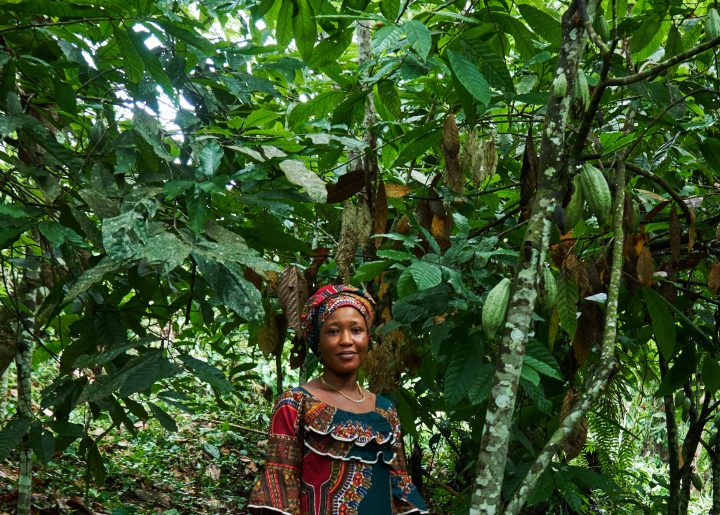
x=292, y=294
x=576, y=441
x=297, y=352
x=589, y=331
x=320, y=256
x=397, y=190
x=403, y=225
x=714, y=278
x=567, y=403
x=668, y=288
x=490, y=156
x=528, y=175
x=356, y=229
x=553, y=328
x=691, y=230
x=454, y=177
x=423, y=214
x=451, y=138
x=268, y=336
x=582, y=279
x=346, y=186
x=675, y=233
x=471, y=159
x=645, y=267
x=381, y=213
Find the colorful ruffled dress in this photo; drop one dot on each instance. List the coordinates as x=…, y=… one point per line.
x=322, y=460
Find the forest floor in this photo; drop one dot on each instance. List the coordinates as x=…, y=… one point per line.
x=207, y=467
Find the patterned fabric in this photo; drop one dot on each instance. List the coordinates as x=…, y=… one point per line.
x=335, y=462
x=326, y=300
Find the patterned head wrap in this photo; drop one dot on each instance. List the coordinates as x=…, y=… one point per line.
x=325, y=301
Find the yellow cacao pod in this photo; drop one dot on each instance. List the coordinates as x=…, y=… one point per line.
x=495, y=307
x=596, y=192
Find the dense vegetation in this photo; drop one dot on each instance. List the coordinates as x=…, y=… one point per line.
x=528, y=189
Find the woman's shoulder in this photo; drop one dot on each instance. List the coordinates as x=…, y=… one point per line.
x=382, y=402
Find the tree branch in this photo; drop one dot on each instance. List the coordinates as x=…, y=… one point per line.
x=661, y=67
x=604, y=49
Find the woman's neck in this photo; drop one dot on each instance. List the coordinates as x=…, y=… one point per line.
x=340, y=381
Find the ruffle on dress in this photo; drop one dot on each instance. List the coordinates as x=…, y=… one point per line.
x=367, y=437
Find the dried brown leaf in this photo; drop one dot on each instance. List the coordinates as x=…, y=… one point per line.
x=393, y=190
x=268, y=336
x=582, y=279
x=403, y=225
x=589, y=331
x=381, y=213
x=567, y=403
x=423, y=214
x=346, y=186
x=292, y=294
x=675, y=234
x=691, y=230
x=714, y=278
x=451, y=138
x=356, y=229
x=645, y=267
x=576, y=441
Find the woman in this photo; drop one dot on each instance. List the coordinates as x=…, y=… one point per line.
x=334, y=447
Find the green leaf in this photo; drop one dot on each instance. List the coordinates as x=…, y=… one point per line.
x=542, y=23
x=232, y=288
x=197, y=210
x=304, y=29
x=711, y=373
x=165, y=420
x=529, y=374
x=645, y=34
x=149, y=129
x=211, y=156
x=482, y=384
x=386, y=37
x=208, y=373
x=370, y=270
x=315, y=109
x=95, y=464
x=298, y=174
x=406, y=285
x=542, y=367
x=92, y=276
x=42, y=443
x=133, y=62
x=390, y=8
x=58, y=234
x=150, y=61
x=425, y=275
x=283, y=26
x=686, y=364
x=461, y=374
x=419, y=37
x=176, y=188
x=567, y=299
x=470, y=77
x=187, y=36
x=11, y=434
x=663, y=322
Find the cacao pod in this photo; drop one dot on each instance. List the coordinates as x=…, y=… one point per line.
x=596, y=192
x=697, y=481
x=495, y=307
x=602, y=27
x=712, y=24
x=717, y=420
x=574, y=209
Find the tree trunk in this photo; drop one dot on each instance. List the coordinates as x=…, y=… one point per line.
x=715, y=456
x=25, y=295
x=553, y=178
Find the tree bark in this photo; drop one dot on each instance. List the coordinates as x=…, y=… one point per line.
x=553, y=173
x=715, y=456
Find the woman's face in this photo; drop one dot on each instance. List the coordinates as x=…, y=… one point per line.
x=344, y=341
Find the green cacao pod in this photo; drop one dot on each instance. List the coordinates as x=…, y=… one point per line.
x=548, y=293
x=686, y=408
x=495, y=307
x=697, y=481
x=582, y=90
x=574, y=209
x=717, y=420
x=602, y=27
x=560, y=85
x=596, y=192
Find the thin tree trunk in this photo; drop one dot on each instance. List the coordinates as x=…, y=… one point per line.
x=4, y=395
x=672, y=439
x=553, y=177
x=715, y=456
x=25, y=294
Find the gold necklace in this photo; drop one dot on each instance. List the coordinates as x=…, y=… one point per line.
x=356, y=401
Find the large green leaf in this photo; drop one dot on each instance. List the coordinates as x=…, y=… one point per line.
x=663, y=322
x=542, y=23
x=425, y=275
x=161, y=415
x=470, y=76
x=11, y=434
x=567, y=299
x=227, y=280
x=419, y=37
x=304, y=28
x=208, y=373
x=92, y=276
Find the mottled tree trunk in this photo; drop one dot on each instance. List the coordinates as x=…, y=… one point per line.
x=715, y=456
x=4, y=395
x=25, y=294
x=553, y=178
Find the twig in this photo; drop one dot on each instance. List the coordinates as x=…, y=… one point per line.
x=439, y=483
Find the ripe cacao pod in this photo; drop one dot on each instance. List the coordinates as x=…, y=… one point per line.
x=596, y=192
x=495, y=307
x=574, y=209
